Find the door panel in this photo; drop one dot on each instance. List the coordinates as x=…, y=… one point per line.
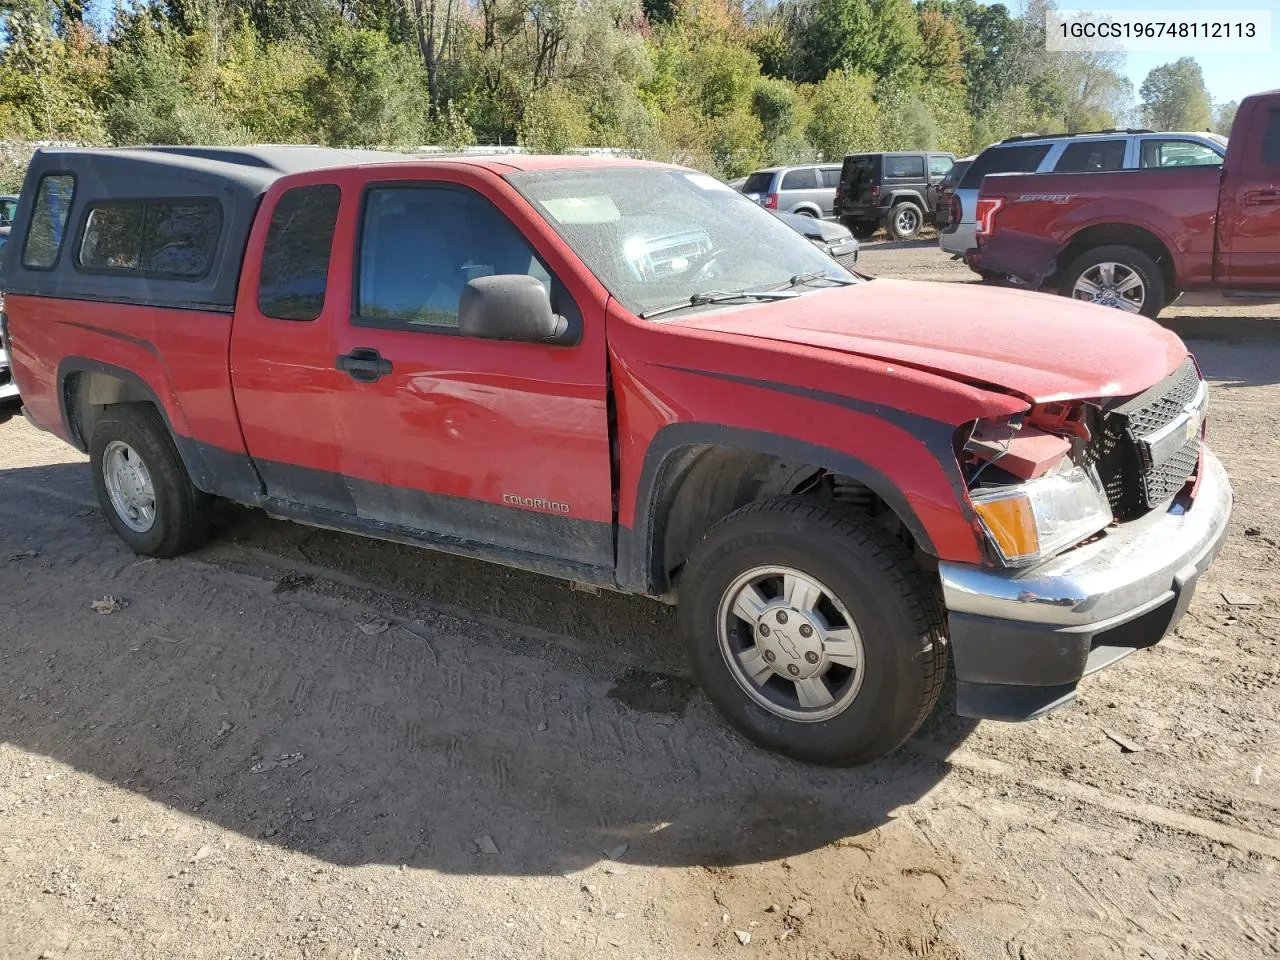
x=1251, y=204
x=505, y=444
x=282, y=349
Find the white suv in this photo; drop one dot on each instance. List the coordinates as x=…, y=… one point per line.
x=1072, y=153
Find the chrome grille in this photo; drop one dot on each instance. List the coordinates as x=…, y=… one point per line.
x=848, y=260
x=1162, y=482
x=1161, y=405
x=1120, y=447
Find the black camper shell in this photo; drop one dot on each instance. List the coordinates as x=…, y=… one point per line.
x=155, y=226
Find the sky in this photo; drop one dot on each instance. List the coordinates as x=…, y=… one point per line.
x=1229, y=76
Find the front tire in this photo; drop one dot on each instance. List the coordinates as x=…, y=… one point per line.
x=142, y=484
x=813, y=631
x=1116, y=276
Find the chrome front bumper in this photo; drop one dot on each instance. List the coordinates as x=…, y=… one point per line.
x=1024, y=638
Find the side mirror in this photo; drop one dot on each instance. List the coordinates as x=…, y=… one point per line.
x=509, y=307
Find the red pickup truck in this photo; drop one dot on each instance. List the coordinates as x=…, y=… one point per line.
x=627, y=375
x=1182, y=222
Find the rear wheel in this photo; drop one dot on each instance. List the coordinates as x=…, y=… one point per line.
x=904, y=221
x=862, y=229
x=813, y=631
x=1117, y=276
x=143, y=485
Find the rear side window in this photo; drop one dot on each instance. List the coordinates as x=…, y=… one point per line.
x=295, y=260
x=758, y=183
x=1004, y=160
x=831, y=177
x=938, y=166
x=1086, y=156
x=48, y=221
x=899, y=168
x=1271, y=141
x=806, y=178
x=158, y=238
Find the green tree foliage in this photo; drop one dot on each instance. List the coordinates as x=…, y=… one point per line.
x=724, y=85
x=879, y=37
x=1174, y=97
x=941, y=55
x=846, y=117
x=1224, y=115
x=368, y=92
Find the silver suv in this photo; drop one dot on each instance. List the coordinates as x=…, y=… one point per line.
x=808, y=189
x=1072, y=153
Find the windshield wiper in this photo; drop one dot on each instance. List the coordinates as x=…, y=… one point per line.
x=800, y=279
x=718, y=296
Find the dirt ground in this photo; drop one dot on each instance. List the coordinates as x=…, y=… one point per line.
x=298, y=744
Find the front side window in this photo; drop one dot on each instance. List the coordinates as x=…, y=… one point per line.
x=657, y=237
x=1088, y=156
x=421, y=245
x=48, y=221
x=295, y=258
x=938, y=166
x=806, y=178
x=1178, y=153
x=161, y=238
x=900, y=168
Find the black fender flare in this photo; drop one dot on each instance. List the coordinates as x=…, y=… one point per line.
x=212, y=470
x=638, y=564
x=907, y=196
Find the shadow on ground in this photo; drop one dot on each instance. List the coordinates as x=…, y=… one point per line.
x=250, y=696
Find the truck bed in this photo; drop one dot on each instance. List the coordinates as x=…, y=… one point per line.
x=1042, y=214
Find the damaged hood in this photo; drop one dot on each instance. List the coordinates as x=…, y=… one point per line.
x=1038, y=346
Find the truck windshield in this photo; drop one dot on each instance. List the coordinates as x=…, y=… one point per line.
x=655, y=236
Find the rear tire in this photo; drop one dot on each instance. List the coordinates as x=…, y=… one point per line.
x=1103, y=275
x=863, y=229
x=863, y=587
x=142, y=484
x=904, y=221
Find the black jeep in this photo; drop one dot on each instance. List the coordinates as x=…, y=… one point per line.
x=898, y=191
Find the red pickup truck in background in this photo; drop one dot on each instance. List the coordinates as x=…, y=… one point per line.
x=627, y=375
x=1137, y=239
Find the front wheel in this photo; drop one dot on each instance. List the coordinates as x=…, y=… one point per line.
x=813, y=631
x=143, y=485
x=1117, y=276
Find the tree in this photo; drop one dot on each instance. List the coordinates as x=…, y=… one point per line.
x=773, y=102
x=940, y=56
x=846, y=117
x=876, y=37
x=1224, y=115
x=1174, y=97
x=369, y=93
